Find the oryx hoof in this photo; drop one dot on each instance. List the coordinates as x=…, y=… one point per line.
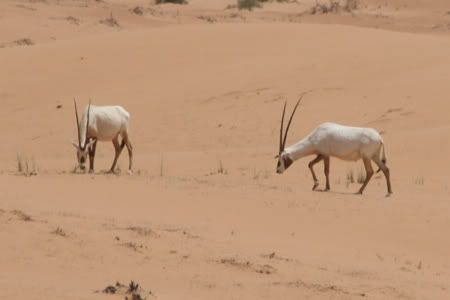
x=316, y=184
x=91, y=171
x=130, y=172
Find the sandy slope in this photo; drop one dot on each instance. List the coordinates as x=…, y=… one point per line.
x=204, y=216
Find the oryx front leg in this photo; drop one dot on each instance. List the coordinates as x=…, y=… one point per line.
x=326, y=162
x=311, y=167
x=130, y=156
x=92, y=150
x=369, y=173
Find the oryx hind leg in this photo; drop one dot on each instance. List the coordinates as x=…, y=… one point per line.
x=369, y=174
x=386, y=172
x=126, y=142
x=118, y=150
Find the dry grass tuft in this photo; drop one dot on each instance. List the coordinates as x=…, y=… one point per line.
x=161, y=166
x=361, y=176
x=221, y=169
x=25, y=167
x=111, y=21
x=419, y=180
x=59, y=231
x=350, y=177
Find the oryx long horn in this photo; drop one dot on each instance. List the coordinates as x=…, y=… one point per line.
x=290, y=120
x=87, y=122
x=281, y=128
x=78, y=122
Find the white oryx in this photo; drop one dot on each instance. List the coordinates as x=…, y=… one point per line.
x=334, y=140
x=102, y=123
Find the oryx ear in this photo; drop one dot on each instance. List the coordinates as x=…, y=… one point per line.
x=75, y=145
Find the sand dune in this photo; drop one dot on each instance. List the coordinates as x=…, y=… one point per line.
x=204, y=215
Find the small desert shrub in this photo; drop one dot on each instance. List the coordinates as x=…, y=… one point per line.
x=248, y=4
x=351, y=5
x=138, y=10
x=73, y=20
x=134, y=246
x=207, y=19
x=334, y=6
x=24, y=42
x=172, y=1
x=322, y=8
x=141, y=230
x=22, y=216
x=132, y=291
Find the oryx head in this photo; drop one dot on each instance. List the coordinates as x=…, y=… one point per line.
x=82, y=149
x=285, y=159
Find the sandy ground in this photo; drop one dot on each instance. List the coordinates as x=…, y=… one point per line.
x=204, y=216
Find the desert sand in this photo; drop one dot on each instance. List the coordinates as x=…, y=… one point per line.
x=205, y=216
